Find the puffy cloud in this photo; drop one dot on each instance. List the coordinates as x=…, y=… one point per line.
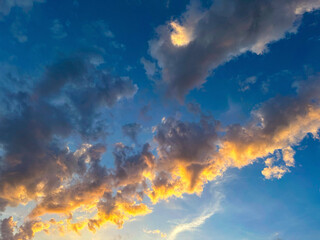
x=75, y=79
x=132, y=168
x=189, y=48
x=66, y=70
x=185, y=151
x=274, y=172
x=279, y=124
x=24, y=232
x=7, y=226
x=94, y=180
x=100, y=87
x=35, y=160
x=191, y=154
x=37, y=165
x=116, y=210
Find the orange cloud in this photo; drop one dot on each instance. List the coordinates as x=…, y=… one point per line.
x=180, y=36
x=188, y=156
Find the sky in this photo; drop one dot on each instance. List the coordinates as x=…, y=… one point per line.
x=159, y=119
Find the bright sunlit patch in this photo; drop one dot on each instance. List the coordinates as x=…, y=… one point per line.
x=180, y=36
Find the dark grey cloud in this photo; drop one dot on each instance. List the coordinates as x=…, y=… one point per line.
x=70, y=70
x=193, y=153
x=187, y=145
x=276, y=126
x=188, y=142
x=94, y=180
x=6, y=229
x=130, y=166
x=37, y=164
x=65, y=102
x=24, y=232
x=143, y=113
x=85, y=90
x=214, y=36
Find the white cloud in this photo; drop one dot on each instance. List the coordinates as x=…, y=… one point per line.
x=199, y=220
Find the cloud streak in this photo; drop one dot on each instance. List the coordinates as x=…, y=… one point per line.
x=197, y=221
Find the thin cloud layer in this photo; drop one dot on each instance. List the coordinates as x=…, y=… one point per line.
x=7, y=5
x=189, y=48
x=197, y=221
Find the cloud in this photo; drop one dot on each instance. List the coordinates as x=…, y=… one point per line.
x=155, y=232
x=189, y=48
x=97, y=31
x=7, y=5
x=278, y=125
x=143, y=113
x=7, y=226
x=194, y=107
x=197, y=221
x=18, y=32
x=24, y=232
x=149, y=67
x=36, y=162
x=98, y=27
x=246, y=84
x=131, y=130
x=185, y=150
x=58, y=30
x=191, y=154
x=38, y=165
x=74, y=79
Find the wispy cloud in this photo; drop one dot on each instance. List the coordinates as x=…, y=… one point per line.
x=155, y=232
x=189, y=226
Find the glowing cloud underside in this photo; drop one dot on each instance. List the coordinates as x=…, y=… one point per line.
x=188, y=158
x=35, y=167
x=180, y=36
